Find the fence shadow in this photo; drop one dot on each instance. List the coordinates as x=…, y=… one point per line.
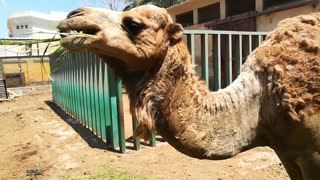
x=86, y=134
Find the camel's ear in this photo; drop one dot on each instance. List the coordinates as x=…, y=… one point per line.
x=175, y=32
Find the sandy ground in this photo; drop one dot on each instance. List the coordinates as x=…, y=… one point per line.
x=35, y=134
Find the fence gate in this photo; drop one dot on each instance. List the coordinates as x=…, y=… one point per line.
x=3, y=87
x=86, y=88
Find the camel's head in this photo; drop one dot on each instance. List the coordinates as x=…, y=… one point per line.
x=131, y=40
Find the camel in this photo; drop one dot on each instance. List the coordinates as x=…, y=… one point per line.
x=274, y=102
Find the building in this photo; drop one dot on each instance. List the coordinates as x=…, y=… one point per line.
x=22, y=65
x=235, y=15
x=32, y=24
x=245, y=15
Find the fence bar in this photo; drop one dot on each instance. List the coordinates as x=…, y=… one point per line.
x=65, y=94
x=93, y=95
x=193, y=53
x=82, y=81
x=87, y=90
x=96, y=99
x=71, y=87
x=114, y=111
x=205, y=58
x=153, y=139
x=107, y=107
x=260, y=39
x=101, y=101
x=83, y=94
x=79, y=74
x=215, y=32
x=250, y=43
x=239, y=55
x=217, y=62
x=77, y=112
x=229, y=64
x=122, y=137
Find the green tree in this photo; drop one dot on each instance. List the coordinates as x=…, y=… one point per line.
x=115, y=5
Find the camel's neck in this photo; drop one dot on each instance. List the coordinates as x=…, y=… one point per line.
x=194, y=120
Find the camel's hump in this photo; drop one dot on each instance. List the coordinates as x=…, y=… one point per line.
x=291, y=58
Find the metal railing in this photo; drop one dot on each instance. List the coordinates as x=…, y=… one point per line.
x=85, y=87
x=228, y=51
x=3, y=89
x=26, y=47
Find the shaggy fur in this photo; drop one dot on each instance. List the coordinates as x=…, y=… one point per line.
x=275, y=101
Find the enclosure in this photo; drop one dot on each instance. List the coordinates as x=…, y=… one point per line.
x=84, y=86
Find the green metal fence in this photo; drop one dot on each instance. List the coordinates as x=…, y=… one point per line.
x=220, y=54
x=86, y=88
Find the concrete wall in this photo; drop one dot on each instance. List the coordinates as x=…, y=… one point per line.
x=33, y=71
x=191, y=5
x=265, y=22
x=269, y=22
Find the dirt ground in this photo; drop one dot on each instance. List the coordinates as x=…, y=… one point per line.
x=35, y=134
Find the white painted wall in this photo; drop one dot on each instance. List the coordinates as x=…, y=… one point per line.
x=35, y=22
x=268, y=22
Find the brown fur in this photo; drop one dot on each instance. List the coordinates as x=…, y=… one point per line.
x=275, y=101
x=291, y=56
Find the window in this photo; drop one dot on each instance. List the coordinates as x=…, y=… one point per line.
x=267, y=4
x=234, y=7
x=26, y=26
x=209, y=13
x=18, y=27
x=185, y=19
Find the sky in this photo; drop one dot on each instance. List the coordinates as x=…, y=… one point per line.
x=8, y=7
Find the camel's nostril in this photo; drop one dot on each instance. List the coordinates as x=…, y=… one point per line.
x=91, y=31
x=62, y=35
x=76, y=12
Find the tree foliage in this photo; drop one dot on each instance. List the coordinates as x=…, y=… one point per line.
x=115, y=5
x=118, y=4
x=160, y=3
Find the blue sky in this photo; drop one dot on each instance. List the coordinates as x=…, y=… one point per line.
x=8, y=7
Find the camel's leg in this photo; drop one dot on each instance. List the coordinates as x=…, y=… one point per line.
x=310, y=165
x=292, y=168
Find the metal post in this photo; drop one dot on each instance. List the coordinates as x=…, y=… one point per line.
x=205, y=58
x=20, y=69
x=229, y=64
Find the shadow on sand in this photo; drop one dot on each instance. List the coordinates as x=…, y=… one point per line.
x=86, y=134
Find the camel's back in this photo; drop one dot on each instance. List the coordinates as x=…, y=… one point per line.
x=290, y=57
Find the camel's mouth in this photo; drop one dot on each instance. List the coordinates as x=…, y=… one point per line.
x=79, y=32
x=78, y=38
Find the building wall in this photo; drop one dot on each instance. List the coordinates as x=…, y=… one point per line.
x=264, y=22
x=26, y=24
x=33, y=71
x=269, y=22
x=191, y=5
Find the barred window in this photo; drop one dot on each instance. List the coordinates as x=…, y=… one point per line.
x=185, y=19
x=209, y=13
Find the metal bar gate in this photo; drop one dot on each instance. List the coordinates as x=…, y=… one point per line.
x=86, y=88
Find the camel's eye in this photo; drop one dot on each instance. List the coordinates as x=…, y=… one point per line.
x=133, y=26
